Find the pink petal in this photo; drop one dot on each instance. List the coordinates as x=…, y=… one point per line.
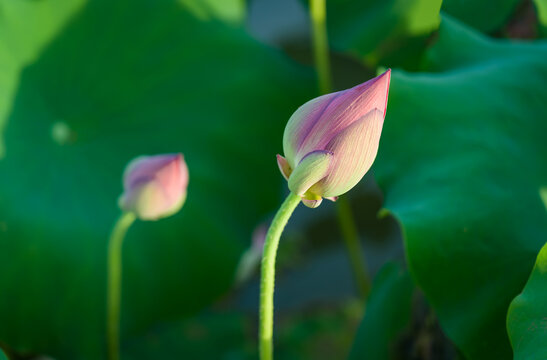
x=301, y=123
x=354, y=150
x=284, y=166
x=344, y=109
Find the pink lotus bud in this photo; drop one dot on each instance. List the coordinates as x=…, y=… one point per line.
x=330, y=142
x=154, y=186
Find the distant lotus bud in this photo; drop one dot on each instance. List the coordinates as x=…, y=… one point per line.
x=330, y=142
x=154, y=186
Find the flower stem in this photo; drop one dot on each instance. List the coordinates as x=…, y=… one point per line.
x=355, y=251
x=318, y=15
x=268, y=274
x=114, y=273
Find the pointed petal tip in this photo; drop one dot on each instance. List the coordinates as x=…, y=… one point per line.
x=385, y=78
x=284, y=166
x=375, y=91
x=387, y=89
x=172, y=157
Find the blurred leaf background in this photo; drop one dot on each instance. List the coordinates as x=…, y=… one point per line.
x=526, y=320
x=87, y=85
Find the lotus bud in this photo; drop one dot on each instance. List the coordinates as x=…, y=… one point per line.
x=330, y=142
x=154, y=186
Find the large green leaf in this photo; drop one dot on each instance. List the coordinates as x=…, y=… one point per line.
x=461, y=162
x=484, y=15
x=2, y=355
x=387, y=313
x=123, y=79
x=527, y=316
x=25, y=28
x=374, y=29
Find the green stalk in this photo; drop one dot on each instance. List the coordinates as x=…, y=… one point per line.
x=268, y=274
x=114, y=273
x=318, y=15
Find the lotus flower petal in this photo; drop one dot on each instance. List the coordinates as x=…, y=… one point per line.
x=309, y=171
x=284, y=166
x=300, y=125
x=354, y=150
x=312, y=203
x=155, y=186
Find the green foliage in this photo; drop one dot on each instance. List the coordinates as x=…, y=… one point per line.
x=461, y=162
x=484, y=15
x=459, y=47
x=387, y=313
x=25, y=28
x=120, y=80
x=527, y=316
x=207, y=336
x=87, y=86
x=230, y=11
x=318, y=333
x=375, y=29
x=321, y=333
x=2, y=355
x=541, y=9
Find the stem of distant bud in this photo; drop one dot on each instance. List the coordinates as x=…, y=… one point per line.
x=114, y=273
x=355, y=251
x=268, y=274
x=318, y=14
